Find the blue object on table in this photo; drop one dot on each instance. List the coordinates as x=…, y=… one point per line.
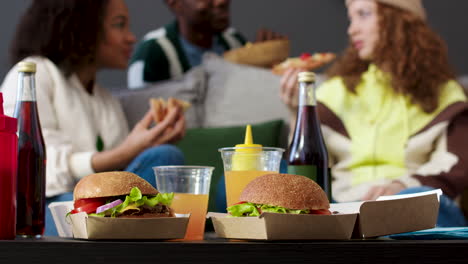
x=446, y=233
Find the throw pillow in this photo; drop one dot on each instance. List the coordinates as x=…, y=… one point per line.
x=240, y=94
x=190, y=88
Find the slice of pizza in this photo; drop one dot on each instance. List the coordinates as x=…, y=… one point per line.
x=306, y=61
x=260, y=54
x=160, y=107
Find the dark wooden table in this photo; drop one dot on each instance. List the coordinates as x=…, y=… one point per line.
x=215, y=250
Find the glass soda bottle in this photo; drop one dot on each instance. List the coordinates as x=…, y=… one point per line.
x=31, y=174
x=308, y=155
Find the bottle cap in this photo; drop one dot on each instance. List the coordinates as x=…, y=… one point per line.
x=246, y=156
x=26, y=66
x=306, y=77
x=7, y=124
x=248, y=141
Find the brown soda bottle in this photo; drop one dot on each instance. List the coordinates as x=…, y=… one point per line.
x=31, y=171
x=308, y=155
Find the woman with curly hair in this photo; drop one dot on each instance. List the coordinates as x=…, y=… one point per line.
x=84, y=127
x=393, y=117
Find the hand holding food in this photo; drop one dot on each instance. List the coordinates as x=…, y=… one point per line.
x=281, y=193
x=289, y=91
x=161, y=107
x=305, y=62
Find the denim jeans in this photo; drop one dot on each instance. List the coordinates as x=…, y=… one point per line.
x=142, y=165
x=161, y=155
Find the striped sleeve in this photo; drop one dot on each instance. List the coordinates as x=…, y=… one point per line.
x=453, y=145
x=148, y=64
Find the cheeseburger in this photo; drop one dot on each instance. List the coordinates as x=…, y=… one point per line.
x=120, y=194
x=281, y=193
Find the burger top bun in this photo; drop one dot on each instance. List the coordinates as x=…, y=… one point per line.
x=286, y=190
x=112, y=183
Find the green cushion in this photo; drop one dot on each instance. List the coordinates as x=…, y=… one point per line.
x=200, y=147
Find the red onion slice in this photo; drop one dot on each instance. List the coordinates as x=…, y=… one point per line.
x=108, y=206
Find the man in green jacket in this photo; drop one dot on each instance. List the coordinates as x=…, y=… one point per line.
x=170, y=51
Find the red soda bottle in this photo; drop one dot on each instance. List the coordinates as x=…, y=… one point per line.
x=8, y=160
x=31, y=157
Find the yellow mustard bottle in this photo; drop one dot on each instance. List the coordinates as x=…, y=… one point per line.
x=247, y=155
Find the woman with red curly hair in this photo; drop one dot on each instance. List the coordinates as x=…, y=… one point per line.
x=393, y=117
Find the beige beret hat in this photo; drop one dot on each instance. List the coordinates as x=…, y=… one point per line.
x=414, y=6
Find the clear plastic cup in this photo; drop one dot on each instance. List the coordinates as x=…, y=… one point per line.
x=191, y=187
x=243, y=164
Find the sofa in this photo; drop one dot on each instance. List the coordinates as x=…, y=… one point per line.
x=225, y=97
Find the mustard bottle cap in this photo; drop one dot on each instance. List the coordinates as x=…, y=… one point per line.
x=247, y=155
x=248, y=141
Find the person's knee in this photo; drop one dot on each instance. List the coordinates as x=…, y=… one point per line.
x=174, y=155
x=165, y=155
x=416, y=190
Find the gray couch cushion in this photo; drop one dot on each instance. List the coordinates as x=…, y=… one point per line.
x=240, y=94
x=463, y=80
x=190, y=88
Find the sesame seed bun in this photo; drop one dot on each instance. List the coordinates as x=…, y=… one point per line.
x=112, y=183
x=286, y=190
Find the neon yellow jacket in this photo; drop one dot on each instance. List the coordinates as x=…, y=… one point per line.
x=376, y=136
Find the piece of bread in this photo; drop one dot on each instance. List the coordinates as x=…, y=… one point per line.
x=112, y=183
x=260, y=54
x=305, y=61
x=286, y=190
x=160, y=107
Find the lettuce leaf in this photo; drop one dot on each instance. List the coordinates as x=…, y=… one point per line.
x=135, y=199
x=251, y=209
x=244, y=209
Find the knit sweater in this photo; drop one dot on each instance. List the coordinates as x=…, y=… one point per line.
x=71, y=121
x=377, y=136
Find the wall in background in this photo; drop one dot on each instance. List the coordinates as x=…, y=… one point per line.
x=311, y=25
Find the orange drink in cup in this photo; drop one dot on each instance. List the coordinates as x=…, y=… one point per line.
x=196, y=205
x=246, y=162
x=191, y=186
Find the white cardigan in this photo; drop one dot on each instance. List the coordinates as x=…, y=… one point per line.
x=71, y=120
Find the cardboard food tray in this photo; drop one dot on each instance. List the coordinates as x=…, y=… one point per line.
x=92, y=227
x=355, y=220
x=273, y=226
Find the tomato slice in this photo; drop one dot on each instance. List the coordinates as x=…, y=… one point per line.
x=305, y=56
x=81, y=202
x=88, y=205
x=88, y=208
x=321, y=212
x=240, y=203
